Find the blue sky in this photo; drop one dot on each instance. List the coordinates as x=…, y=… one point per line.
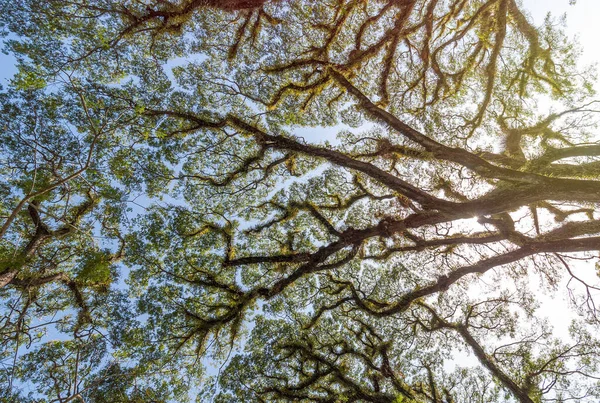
x=582, y=23
x=7, y=68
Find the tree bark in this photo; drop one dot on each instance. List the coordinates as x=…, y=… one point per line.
x=235, y=5
x=7, y=276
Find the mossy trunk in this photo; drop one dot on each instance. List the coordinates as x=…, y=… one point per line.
x=235, y=5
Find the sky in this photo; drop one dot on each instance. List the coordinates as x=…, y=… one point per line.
x=7, y=68
x=581, y=23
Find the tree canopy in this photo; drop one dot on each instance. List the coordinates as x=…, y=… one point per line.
x=273, y=201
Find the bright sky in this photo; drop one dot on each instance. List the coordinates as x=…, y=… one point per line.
x=582, y=23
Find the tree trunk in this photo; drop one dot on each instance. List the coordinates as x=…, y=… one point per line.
x=235, y=5
x=7, y=276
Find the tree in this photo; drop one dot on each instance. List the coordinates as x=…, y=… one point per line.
x=65, y=191
x=402, y=262
x=54, y=206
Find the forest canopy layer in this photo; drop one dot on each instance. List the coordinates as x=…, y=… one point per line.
x=297, y=201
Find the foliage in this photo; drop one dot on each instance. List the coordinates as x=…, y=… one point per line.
x=175, y=203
